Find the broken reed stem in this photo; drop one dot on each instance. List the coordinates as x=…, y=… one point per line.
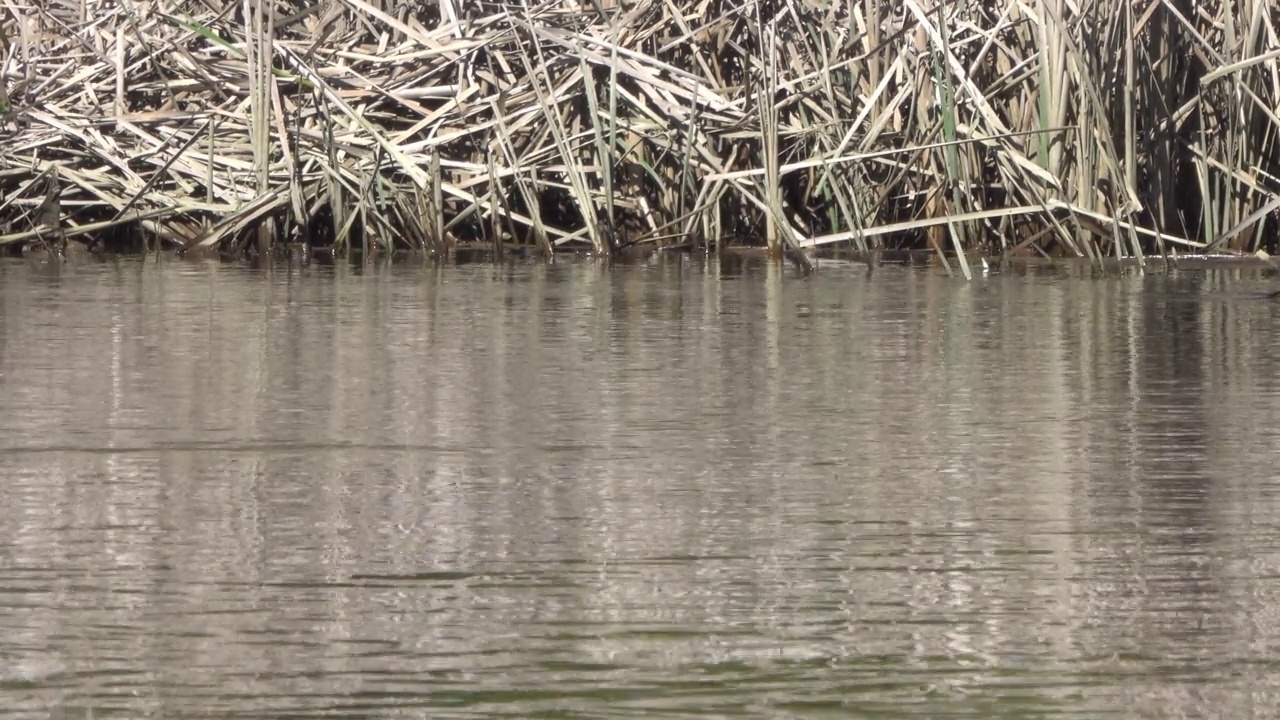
x=240, y=125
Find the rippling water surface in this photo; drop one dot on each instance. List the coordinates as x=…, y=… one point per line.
x=660, y=490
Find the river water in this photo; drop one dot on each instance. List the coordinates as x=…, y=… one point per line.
x=671, y=489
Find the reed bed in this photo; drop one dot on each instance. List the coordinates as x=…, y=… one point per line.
x=1116, y=128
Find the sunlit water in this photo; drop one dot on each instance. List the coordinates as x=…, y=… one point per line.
x=660, y=490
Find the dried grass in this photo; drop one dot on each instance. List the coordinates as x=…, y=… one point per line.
x=1112, y=128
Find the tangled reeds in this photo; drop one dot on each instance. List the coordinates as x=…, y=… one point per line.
x=1118, y=127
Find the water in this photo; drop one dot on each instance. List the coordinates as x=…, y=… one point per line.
x=661, y=490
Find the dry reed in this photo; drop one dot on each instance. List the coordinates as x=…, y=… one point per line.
x=1112, y=128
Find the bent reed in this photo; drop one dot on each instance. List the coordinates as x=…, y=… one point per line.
x=1115, y=128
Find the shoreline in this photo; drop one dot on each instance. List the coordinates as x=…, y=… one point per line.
x=483, y=253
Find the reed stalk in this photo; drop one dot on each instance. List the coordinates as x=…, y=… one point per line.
x=260, y=27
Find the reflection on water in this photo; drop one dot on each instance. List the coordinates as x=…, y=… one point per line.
x=659, y=490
